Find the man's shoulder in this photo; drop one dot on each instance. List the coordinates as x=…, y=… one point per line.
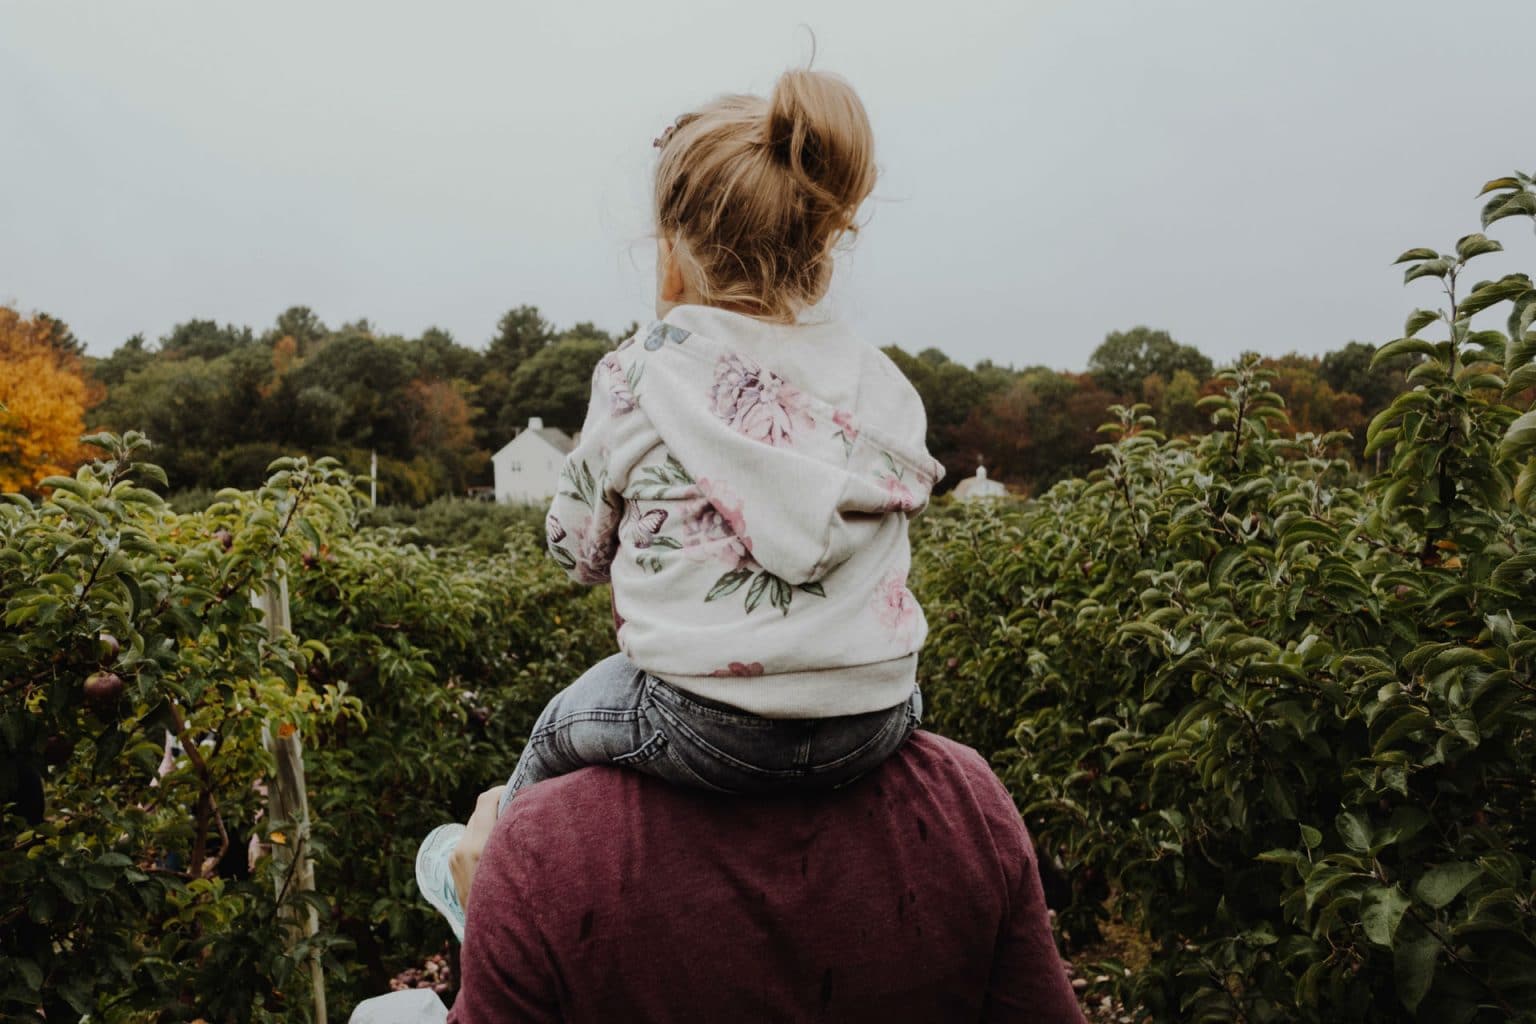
x=940, y=752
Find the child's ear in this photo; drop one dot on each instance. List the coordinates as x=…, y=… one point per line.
x=670, y=286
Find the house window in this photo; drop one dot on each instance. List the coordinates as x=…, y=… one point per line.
x=515, y=467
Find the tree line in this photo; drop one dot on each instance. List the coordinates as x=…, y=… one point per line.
x=222, y=401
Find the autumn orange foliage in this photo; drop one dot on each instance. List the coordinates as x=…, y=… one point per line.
x=43, y=397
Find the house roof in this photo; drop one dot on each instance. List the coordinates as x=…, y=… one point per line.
x=553, y=436
x=979, y=486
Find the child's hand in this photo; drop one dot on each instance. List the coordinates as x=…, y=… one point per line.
x=466, y=856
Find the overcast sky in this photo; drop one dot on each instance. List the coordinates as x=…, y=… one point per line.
x=1238, y=173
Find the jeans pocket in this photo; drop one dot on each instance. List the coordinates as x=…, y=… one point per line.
x=654, y=747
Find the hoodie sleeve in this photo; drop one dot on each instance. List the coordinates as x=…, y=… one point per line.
x=582, y=527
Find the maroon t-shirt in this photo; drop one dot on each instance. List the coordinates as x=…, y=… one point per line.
x=911, y=895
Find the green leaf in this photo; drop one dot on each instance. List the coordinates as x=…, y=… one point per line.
x=1414, y=255
x=757, y=590
x=1524, y=377
x=1414, y=952
x=1381, y=911
x=1518, y=204
x=728, y=584
x=1144, y=629
x=1430, y=268
x=1490, y=293
x=1520, y=438
x=31, y=974
x=1311, y=837
x=1223, y=562
x=1418, y=320
x=1441, y=884
x=1499, y=185
x=1525, y=486
x=1322, y=878
x=779, y=594
x=1472, y=245
x=815, y=589
x=1402, y=347
x=1355, y=829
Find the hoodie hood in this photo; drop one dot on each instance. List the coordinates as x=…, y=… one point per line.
x=802, y=437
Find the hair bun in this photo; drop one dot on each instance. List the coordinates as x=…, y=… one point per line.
x=818, y=130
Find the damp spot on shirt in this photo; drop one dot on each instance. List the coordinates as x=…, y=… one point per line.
x=922, y=830
x=826, y=988
x=586, y=926
x=805, y=864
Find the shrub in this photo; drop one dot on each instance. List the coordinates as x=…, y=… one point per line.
x=479, y=526
x=125, y=893
x=413, y=675
x=1284, y=721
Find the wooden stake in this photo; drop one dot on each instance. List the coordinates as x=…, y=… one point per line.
x=287, y=799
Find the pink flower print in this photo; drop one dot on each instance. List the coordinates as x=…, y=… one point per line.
x=895, y=606
x=594, y=554
x=758, y=403
x=739, y=670
x=901, y=497
x=847, y=432
x=843, y=419
x=713, y=526
x=621, y=395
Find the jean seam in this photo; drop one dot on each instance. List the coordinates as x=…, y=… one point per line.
x=591, y=715
x=716, y=753
x=745, y=719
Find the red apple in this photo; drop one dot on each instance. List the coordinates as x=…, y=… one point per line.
x=56, y=749
x=103, y=688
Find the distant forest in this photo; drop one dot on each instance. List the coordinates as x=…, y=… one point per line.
x=222, y=401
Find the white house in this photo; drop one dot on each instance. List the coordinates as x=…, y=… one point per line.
x=527, y=468
x=978, y=486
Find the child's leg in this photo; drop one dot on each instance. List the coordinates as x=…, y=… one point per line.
x=598, y=719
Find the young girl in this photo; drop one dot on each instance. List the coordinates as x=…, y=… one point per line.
x=744, y=481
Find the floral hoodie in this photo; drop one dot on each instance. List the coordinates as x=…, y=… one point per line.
x=746, y=488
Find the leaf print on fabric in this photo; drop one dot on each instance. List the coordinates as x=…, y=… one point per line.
x=622, y=384
x=663, y=333
x=713, y=526
x=655, y=483
x=583, y=485
x=893, y=479
x=589, y=489
x=758, y=403
x=554, y=533
x=847, y=432
x=764, y=585
x=895, y=606
x=739, y=670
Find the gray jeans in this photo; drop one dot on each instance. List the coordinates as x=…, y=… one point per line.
x=616, y=714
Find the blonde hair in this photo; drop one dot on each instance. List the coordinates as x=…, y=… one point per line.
x=754, y=193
